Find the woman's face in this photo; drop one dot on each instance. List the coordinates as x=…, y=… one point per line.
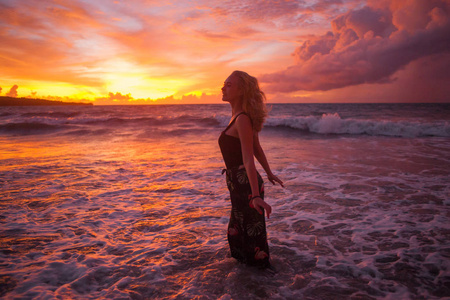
x=230, y=89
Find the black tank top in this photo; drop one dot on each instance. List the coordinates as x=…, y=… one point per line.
x=230, y=147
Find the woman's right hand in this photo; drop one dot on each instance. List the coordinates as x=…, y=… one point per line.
x=258, y=203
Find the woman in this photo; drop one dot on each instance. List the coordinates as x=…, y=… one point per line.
x=239, y=144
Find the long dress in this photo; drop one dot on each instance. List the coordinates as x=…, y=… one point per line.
x=247, y=235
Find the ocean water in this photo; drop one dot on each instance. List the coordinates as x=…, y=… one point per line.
x=128, y=202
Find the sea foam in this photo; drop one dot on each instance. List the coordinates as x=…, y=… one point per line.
x=332, y=123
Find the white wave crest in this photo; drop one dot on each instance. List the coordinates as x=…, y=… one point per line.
x=334, y=124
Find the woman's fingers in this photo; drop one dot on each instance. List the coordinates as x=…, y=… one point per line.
x=268, y=209
x=280, y=182
x=256, y=206
x=258, y=203
x=274, y=179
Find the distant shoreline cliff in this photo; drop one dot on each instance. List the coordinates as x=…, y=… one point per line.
x=11, y=101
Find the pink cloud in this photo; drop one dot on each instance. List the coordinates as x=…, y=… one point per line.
x=13, y=91
x=367, y=45
x=365, y=19
x=284, y=12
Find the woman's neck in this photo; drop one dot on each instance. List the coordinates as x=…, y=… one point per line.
x=235, y=109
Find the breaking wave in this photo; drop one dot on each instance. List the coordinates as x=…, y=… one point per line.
x=194, y=119
x=77, y=124
x=334, y=124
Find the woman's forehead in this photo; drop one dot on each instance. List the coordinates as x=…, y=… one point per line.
x=230, y=79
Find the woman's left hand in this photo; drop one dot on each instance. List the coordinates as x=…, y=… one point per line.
x=258, y=203
x=272, y=178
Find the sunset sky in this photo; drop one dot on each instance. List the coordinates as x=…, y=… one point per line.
x=138, y=51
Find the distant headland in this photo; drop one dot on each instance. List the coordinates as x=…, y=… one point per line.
x=11, y=101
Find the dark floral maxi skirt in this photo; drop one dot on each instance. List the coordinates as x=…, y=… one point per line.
x=247, y=235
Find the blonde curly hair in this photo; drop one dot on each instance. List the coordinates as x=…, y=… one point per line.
x=253, y=99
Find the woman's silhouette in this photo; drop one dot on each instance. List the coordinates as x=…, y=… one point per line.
x=239, y=144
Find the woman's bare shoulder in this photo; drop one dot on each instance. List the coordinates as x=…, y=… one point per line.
x=243, y=118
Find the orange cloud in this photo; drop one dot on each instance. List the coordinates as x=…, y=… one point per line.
x=74, y=41
x=38, y=42
x=116, y=98
x=13, y=91
x=119, y=99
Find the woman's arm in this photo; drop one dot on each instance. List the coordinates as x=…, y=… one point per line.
x=261, y=157
x=245, y=132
